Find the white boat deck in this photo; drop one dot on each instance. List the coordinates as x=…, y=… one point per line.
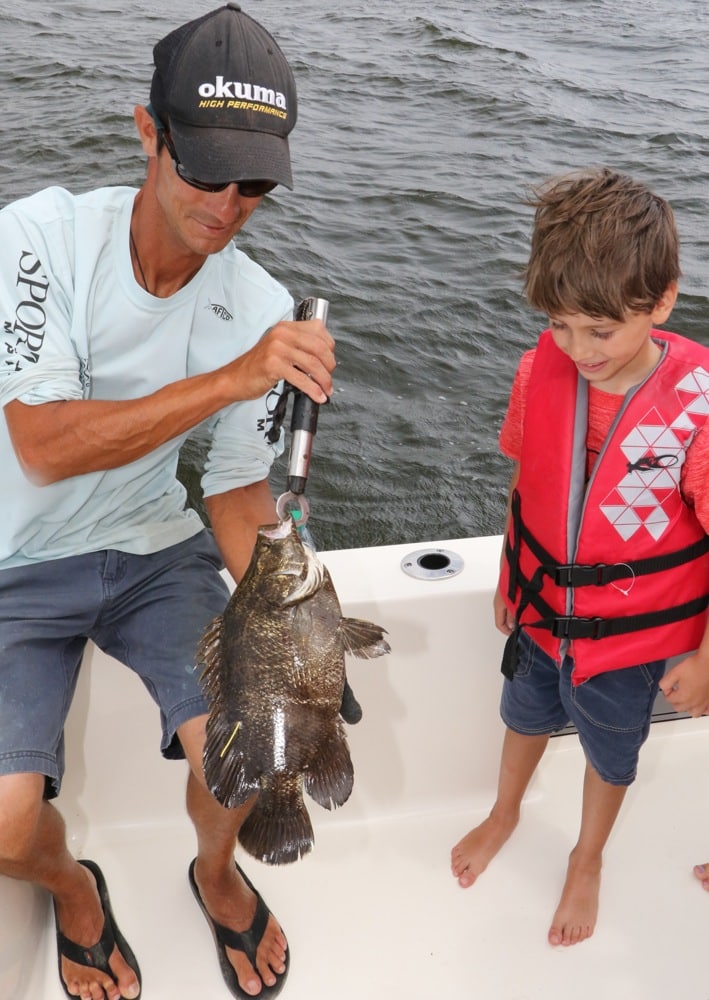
x=374, y=910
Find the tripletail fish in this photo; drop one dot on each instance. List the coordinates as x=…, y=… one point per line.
x=274, y=676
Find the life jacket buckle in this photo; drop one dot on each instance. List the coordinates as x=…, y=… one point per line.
x=576, y=575
x=574, y=627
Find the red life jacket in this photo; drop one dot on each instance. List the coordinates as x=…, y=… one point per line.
x=618, y=567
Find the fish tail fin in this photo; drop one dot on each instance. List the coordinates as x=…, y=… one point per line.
x=278, y=830
x=363, y=639
x=330, y=777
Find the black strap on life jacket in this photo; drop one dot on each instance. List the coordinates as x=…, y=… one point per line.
x=580, y=575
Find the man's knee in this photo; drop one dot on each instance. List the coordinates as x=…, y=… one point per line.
x=192, y=735
x=21, y=797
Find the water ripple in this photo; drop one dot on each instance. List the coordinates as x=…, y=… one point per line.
x=421, y=131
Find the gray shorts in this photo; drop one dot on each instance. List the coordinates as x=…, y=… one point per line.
x=612, y=711
x=147, y=611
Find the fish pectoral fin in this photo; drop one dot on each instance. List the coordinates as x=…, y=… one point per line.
x=363, y=638
x=278, y=830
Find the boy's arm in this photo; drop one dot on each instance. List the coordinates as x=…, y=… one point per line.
x=686, y=685
x=504, y=621
x=511, y=446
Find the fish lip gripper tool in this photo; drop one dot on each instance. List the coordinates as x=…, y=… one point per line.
x=304, y=422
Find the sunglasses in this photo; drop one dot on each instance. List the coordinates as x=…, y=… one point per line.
x=248, y=189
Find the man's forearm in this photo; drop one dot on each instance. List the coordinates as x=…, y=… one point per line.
x=57, y=440
x=235, y=517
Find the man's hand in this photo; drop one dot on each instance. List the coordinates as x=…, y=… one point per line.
x=302, y=353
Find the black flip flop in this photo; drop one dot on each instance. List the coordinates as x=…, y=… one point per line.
x=246, y=941
x=98, y=955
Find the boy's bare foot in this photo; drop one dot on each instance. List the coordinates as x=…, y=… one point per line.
x=575, y=918
x=471, y=855
x=701, y=872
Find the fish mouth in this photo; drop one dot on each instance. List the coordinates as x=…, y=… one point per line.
x=277, y=532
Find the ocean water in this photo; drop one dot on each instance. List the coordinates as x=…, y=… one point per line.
x=422, y=128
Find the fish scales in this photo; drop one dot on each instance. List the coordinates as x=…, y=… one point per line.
x=274, y=676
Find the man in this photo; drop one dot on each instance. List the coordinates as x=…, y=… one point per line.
x=130, y=318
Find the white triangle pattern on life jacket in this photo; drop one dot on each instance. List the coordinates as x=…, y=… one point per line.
x=647, y=497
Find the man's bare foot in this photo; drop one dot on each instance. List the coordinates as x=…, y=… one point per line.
x=471, y=855
x=575, y=918
x=81, y=918
x=701, y=872
x=231, y=903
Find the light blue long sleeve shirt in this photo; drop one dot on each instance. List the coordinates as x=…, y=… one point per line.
x=77, y=325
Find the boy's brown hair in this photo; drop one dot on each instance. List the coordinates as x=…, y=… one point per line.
x=603, y=245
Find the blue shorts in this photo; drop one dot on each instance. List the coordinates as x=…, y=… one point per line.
x=611, y=711
x=148, y=611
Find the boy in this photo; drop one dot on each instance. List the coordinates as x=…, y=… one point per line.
x=605, y=562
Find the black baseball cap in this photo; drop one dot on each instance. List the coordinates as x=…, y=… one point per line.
x=224, y=90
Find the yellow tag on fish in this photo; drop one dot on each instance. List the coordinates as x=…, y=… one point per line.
x=229, y=742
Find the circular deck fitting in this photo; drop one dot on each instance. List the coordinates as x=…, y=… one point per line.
x=432, y=564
